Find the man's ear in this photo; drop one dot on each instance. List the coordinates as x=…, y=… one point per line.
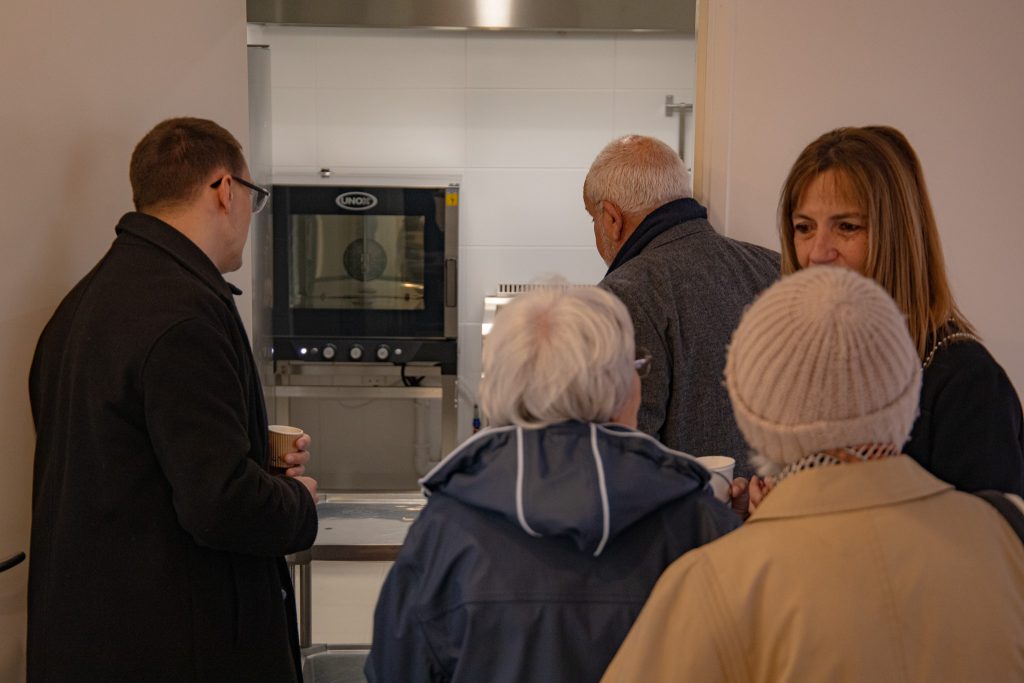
x=616, y=223
x=225, y=192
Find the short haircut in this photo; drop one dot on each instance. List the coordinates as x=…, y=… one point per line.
x=558, y=353
x=877, y=168
x=172, y=162
x=638, y=174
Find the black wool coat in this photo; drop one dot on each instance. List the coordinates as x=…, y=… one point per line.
x=157, y=532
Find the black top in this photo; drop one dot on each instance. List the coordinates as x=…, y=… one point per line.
x=969, y=431
x=157, y=533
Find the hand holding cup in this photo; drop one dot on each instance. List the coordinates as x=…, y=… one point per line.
x=288, y=450
x=721, y=468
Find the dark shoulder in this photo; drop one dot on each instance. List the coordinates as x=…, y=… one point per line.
x=696, y=244
x=963, y=364
x=960, y=356
x=446, y=527
x=699, y=518
x=161, y=285
x=630, y=282
x=764, y=254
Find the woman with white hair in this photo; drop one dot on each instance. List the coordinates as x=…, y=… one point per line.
x=543, y=534
x=859, y=565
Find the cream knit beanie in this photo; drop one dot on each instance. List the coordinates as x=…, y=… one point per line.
x=822, y=359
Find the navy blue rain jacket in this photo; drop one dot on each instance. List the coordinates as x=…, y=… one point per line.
x=535, y=553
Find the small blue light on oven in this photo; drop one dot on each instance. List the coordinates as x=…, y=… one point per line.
x=302, y=351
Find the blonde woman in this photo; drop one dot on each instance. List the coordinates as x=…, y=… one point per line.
x=856, y=197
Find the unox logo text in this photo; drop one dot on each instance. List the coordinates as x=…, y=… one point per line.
x=356, y=201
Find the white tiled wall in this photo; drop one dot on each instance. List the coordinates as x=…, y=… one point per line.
x=519, y=116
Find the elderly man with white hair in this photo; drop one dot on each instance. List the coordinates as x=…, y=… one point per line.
x=685, y=287
x=543, y=534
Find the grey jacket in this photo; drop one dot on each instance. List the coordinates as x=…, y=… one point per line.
x=685, y=292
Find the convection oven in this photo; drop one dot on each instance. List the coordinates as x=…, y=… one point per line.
x=355, y=266
x=364, y=325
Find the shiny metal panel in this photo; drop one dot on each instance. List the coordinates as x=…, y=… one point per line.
x=362, y=393
x=451, y=261
x=674, y=16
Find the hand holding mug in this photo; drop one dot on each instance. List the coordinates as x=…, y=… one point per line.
x=288, y=454
x=759, y=488
x=739, y=497
x=721, y=468
x=297, y=459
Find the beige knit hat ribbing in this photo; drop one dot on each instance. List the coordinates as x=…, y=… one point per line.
x=822, y=359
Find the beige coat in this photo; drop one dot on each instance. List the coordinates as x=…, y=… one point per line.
x=872, y=571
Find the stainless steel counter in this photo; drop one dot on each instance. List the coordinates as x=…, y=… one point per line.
x=353, y=528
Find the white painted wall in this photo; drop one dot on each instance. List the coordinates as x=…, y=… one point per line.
x=519, y=116
x=82, y=82
x=947, y=73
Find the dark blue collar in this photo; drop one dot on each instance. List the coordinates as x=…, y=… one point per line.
x=657, y=222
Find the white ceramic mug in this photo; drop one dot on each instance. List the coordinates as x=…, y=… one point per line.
x=721, y=468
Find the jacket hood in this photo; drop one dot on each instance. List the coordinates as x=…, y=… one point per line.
x=581, y=480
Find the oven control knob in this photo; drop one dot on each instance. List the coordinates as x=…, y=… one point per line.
x=383, y=352
x=356, y=352
x=329, y=352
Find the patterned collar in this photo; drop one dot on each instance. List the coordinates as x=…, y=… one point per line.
x=826, y=458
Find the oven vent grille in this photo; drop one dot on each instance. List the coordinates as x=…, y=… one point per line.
x=512, y=288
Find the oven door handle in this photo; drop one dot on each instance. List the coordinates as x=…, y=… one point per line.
x=451, y=283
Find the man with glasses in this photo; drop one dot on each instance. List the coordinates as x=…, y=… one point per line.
x=685, y=287
x=158, y=531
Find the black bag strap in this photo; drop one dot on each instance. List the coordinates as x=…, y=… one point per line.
x=12, y=561
x=1009, y=509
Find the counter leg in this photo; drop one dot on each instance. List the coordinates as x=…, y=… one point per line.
x=306, y=600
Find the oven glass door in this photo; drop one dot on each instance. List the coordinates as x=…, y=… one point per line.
x=356, y=262
x=358, y=272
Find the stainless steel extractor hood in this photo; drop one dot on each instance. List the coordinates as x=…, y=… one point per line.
x=670, y=16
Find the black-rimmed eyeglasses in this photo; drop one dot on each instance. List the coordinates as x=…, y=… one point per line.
x=642, y=362
x=259, y=195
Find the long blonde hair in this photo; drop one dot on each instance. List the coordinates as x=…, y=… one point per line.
x=879, y=170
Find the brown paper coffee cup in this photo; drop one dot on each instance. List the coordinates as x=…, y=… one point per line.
x=282, y=441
